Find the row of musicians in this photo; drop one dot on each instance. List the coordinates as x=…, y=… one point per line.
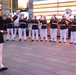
x=34, y=25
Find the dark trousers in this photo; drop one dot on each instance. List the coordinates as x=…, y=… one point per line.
x=69, y=32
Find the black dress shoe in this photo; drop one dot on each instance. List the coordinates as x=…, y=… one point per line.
x=41, y=40
x=7, y=40
x=32, y=40
x=54, y=41
x=70, y=43
x=50, y=41
x=24, y=40
x=13, y=40
x=74, y=43
x=3, y=69
x=60, y=42
x=46, y=41
x=19, y=39
x=36, y=40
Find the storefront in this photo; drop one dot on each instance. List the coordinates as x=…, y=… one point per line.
x=5, y=6
x=49, y=7
x=10, y=6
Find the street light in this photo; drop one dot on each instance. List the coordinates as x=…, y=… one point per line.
x=57, y=6
x=11, y=6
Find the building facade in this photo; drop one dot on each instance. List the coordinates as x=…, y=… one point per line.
x=8, y=6
x=41, y=7
x=50, y=7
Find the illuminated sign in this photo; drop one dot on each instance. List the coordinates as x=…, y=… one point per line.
x=22, y=4
x=50, y=7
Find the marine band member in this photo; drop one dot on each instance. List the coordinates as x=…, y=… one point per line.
x=53, y=28
x=10, y=26
x=63, y=26
x=16, y=22
x=73, y=31
x=34, y=28
x=22, y=27
x=2, y=68
x=44, y=29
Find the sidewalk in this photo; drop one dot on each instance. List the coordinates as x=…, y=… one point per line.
x=39, y=58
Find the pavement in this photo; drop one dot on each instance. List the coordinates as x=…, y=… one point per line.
x=39, y=58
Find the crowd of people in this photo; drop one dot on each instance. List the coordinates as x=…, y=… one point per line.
x=18, y=24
